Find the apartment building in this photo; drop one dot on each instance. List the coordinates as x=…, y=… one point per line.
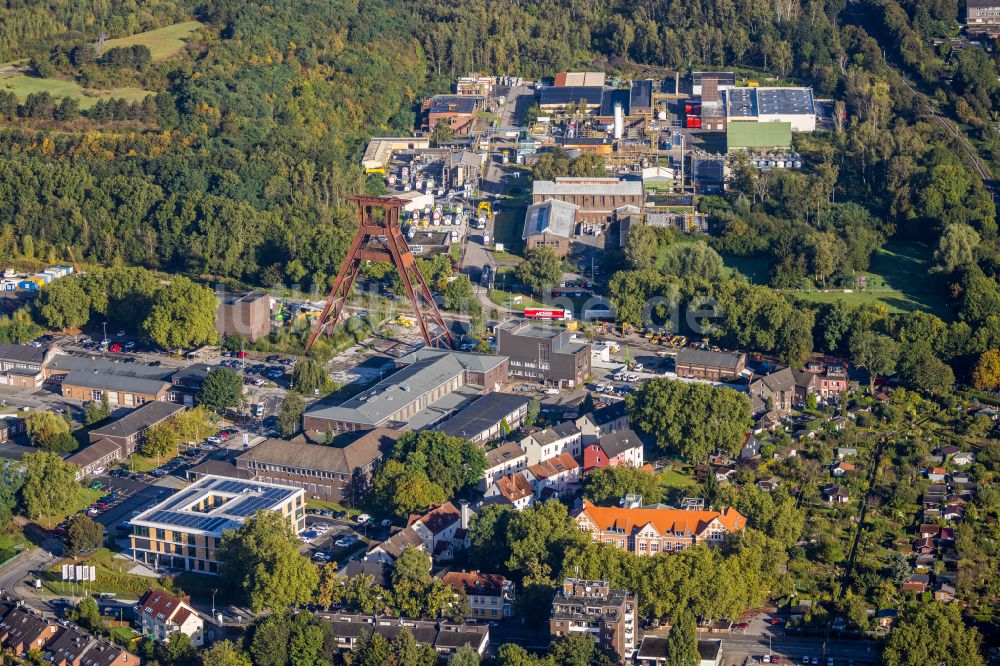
x=183, y=531
x=513, y=489
x=602, y=421
x=594, y=608
x=543, y=353
x=444, y=637
x=621, y=447
x=651, y=531
x=501, y=461
x=491, y=596
x=541, y=445
x=553, y=477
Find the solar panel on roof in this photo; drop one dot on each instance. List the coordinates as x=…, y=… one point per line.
x=227, y=486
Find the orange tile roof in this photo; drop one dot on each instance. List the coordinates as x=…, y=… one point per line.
x=663, y=520
x=564, y=462
x=514, y=487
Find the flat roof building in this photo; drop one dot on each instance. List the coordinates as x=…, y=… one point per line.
x=183, y=531
x=483, y=420
x=593, y=607
x=558, y=98
x=246, y=315
x=431, y=385
x=764, y=105
x=543, y=353
x=575, y=79
x=380, y=150
x=982, y=15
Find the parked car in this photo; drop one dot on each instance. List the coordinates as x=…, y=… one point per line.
x=114, y=347
x=363, y=518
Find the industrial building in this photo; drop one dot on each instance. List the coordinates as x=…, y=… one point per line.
x=550, y=223
x=246, y=315
x=484, y=420
x=430, y=385
x=183, y=531
x=764, y=105
x=380, y=151
x=710, y=365
x=982, y=15
x=459, y=111
x=551, y=100
x=543, y=354
x=596, y=198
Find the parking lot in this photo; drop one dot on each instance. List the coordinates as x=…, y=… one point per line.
x=328, y=537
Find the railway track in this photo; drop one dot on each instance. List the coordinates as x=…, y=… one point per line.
x=970, y=152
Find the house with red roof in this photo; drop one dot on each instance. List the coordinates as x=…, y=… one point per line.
x=554, y=476
x=649, y=531
x=161, y=615
x=513, y=489
x=622, y=447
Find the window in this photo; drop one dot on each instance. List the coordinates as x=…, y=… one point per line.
x=97, y=395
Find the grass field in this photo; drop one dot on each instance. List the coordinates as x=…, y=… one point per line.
x=671, y=479
x=507, y=227
x=112, y=577
x=87, y=497
x=756, y=268
x=23, y=85
x=899, y=279
x=163, y=42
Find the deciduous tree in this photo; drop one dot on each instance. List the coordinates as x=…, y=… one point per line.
x=222, y=389
x=50, y=486
x=182, y=315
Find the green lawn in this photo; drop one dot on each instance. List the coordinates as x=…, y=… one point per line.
x=332, y=506
x=140, y=463
x=11, y=544
x=898, y=278
x=23, y=85
x=670, y=479
x=756, y=268
x=507, y=227
x=87, y=497
x=163, y=42
x=112, y=577
x=503, y=298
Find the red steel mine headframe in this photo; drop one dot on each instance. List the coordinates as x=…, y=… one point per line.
x=379, y=239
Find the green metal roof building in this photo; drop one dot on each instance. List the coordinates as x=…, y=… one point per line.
x=758, y=136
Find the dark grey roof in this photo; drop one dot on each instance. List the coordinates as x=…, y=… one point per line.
x=453, y=103
x=245, y=298
x=641, y=95
x=196, y=372
x=780, y=380
x=400, y=541
x=218, y=468
x=550, y=217
x=709, y=649
x=559, y=96
x=381, y=572
x=785, y=101
x=106, y=367
x=139, y=419
x=612, y=412
x=612, y=97
x=23, y=353
x=620, y=441
x=556, y=433
x=115, y=382
x=708, y=358
x=502, y=454
x=653, y=647
x=483, y=414
x=96, y=451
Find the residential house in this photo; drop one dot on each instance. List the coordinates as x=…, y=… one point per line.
x=769, y=483
x=601, y=421
x=388, y=551
x=842, y=468
x=161, y=615
x=963, y=458
x=653, y=530
x=928, y=531
x=491, y=596
x=553, y=477
x=937, y=474
x=380, y=572
x=924, y=546
x=773, y=392
x=945, y=593
x=834, y=494
x=594, y=607
x=750, y=447
x=22, y=631
x=846, y=452
x=886, y=617
x=916, y=583
x=831, y=378
x=438, y=529
x=513, y=489
x=341, y=472
x=541, y=445
x=73, y=647
x=507, y=459
x=621, y=447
